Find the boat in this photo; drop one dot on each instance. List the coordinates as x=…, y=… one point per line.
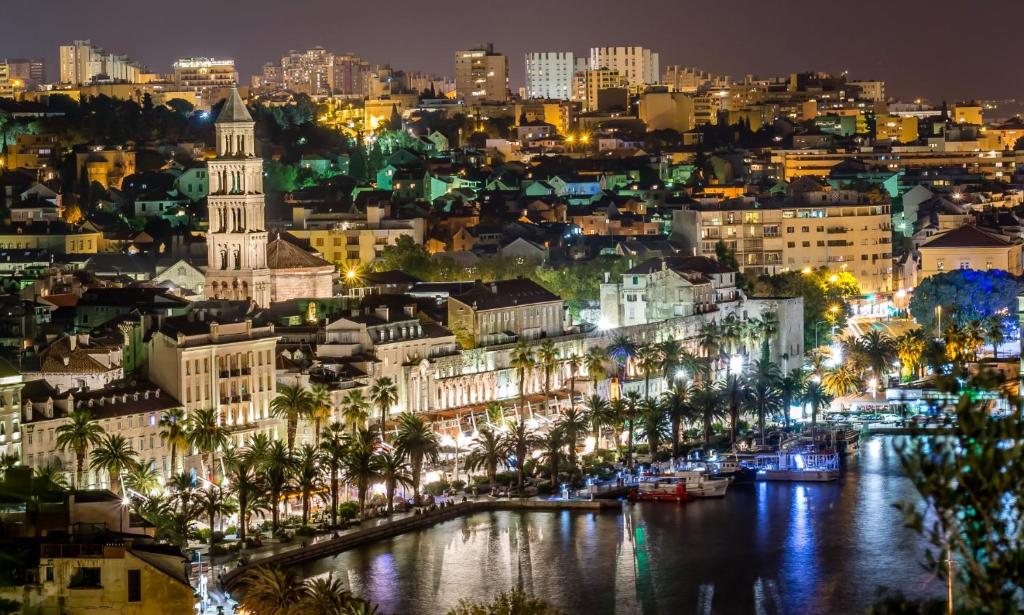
x=661, y=489
x=798, y=467
x=699, y=484
x=731, y=469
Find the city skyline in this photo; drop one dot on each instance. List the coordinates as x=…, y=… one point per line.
x=926, y=41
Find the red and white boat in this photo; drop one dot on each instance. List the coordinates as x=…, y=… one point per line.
x=661, y=488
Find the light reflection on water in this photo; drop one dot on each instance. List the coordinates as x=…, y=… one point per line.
x=765, y=549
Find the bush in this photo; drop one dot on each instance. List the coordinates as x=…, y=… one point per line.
x=305, y=530
x=437, y=487
x=231, y=530
x=218, y=536
x=348, y=511
x=504, y=479
x=218, y=550
x=458, y=485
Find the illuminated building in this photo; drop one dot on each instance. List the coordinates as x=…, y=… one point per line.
x=481, y=75
x=549, y=74
x=81, y=62
x=637, y=65
x=199, y=74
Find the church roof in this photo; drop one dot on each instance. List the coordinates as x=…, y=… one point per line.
x=233, y=110
x=283, y=254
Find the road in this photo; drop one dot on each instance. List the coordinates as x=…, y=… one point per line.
x=894, y=327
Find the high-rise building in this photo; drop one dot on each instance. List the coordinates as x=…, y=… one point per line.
x=199, y=74
x=81, y=62
x=6, y=83
x=30, y=71
x=692, y=80
x=587, y=84
x=637, y=65
x=308, y=72
x=549, y=74
x=348, y=76
x=481, y=75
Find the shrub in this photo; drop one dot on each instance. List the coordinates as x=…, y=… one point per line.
x=348, y=510
x=305, y=530
x=458, y=485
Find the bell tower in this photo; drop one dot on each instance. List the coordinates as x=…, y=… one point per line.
x=237, y=237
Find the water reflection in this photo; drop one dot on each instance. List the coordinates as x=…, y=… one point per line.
x=764, y=549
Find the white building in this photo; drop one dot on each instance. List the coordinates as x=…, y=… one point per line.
x=549, y=74
x=481, y=75
x=637, y=65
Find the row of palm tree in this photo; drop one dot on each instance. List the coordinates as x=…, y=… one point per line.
x=277, y=591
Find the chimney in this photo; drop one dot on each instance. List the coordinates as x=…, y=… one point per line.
x=410, y=310
x=494, y=288
x=72, y=342
x=27, y=411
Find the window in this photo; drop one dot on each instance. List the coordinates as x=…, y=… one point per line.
x=85, y=578
x=807, y=244
x=134, y=586
x=49, y=574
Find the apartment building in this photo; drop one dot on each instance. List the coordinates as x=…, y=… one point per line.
x=481, y=75
x=346, y=239
x=586, y=85
x=842, y=230
x=996, y=165
x=204, y=74
x=205, y=361
x=505, y=311
x=81, y=63
x=549, y=74
x=637, y=65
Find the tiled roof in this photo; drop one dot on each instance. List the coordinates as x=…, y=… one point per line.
x=282, y=254
x=234, y=110
x=505, y=293
x=699, y=264
x=967, y=236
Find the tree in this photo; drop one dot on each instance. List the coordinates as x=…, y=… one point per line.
x=595, y=360
x=648, y=361
x=574, y=363
x=572, y=423
x=597, y=412
x=272, y=591
x=394, y=471
x=676, y=403
x=327, y=596
x=547, y=360
x=522, y=361
x=512, y=602
x=78, y=434
x=842, y=381
x=308, y=477
x=766, y=396
x=910, y=349
x=963, y=295
x=321, y=407
x=215, y=502
x=333, y=448
x=278, y=465
x=994, y=332
x=354, y=407
x=248, y=484
x=706, y=400
x=207, y=436
x=519, y=441
x=622, y=350
x=970, y=507
x=550, y=446
x=488, y=453
x=113, y=455
x=737, y=396
x=817, y=398
x=631, y=409
x=384, y=395
x=726, y=256
x=173, y=434
x=416, y=442
x=360, y=464
x=877, y=351
x=652, y=418
x=791, y=389
x=292, y=402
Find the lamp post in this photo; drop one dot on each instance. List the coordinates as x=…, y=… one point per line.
x=816, y=325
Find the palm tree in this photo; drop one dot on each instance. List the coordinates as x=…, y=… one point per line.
x=597, y=412
x=78, y=434
x=547, y=360
x=574, y=362
x=737, y=396
x=522, y=361
x=595, y=361
x=417, y=442
x=878, y=351
x=322, y=407
x=648, y=361
x=910, y=349
x=495, y=414
x=817, y=398
x=114, y=455
x=173, y=434
x=248, y=483
x=327, y=597
x=622, y=350
x=709, y=340
x=272, y=591
x=766, y=396
x=550, y=446
x=671, y=353
x=994, y=331
x=632, y=411
x=291, y=403
x=355, y=406
x=206, y=435
x=769, y=329
x=52, y=474
x=676, y=402
x=519, y=441
x=706, y=399
x=384, y=395
x=731, y=333
x=142, y=478
x=791, y=389
x=277, y=466
x=394, y=471
x=360, y=464
x=841, y=381
x=652, y=417
x=488, y=453
x=572, y=424
x=333, y=448
x=308, y=477
x=215, y=501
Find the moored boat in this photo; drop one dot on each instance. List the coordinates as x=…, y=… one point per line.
x=661, y=488
x=702, y=485
x=798, y=467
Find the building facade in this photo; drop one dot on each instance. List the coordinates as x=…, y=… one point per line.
x=481, y=75
x=81, y=63
x=637, y=65
x=549, y=74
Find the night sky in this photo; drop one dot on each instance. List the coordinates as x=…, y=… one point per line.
x=930, y=48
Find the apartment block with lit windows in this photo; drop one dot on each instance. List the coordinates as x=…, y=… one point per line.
x=843, y=230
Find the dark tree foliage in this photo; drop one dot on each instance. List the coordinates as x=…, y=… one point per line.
x=966, y=295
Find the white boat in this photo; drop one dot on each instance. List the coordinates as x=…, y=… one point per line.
x=700, y=485
x=661, y=488
x=798, y=467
